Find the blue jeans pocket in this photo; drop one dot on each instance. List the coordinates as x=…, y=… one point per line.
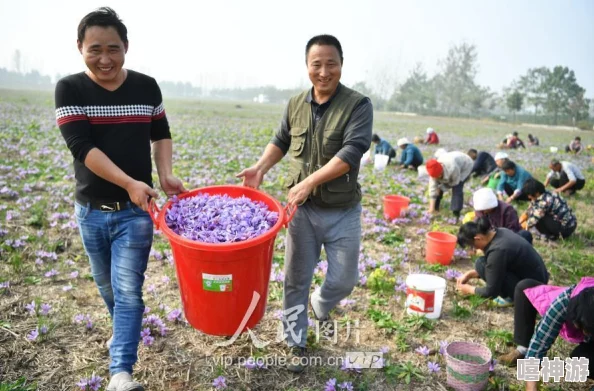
x=81, y=212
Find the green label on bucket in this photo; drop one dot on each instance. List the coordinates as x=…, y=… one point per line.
x=217, y=282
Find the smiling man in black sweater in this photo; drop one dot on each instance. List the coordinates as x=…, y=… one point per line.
x=109, y=116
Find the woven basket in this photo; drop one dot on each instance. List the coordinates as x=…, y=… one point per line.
x=467, y=366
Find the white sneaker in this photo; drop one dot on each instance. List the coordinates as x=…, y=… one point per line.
x=123, y=381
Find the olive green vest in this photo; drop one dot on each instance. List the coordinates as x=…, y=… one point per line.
x=312, y=147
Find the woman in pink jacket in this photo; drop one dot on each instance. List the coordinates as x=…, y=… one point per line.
x=566, y=312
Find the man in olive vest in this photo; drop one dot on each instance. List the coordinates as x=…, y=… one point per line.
x=326, y=130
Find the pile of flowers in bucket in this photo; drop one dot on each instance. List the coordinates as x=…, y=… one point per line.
x=219, y=218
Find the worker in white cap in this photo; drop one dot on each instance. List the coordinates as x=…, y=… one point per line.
x=499, y=213
x=492, y=180
x=432, y=138
x=411, y=157
x=500, y=158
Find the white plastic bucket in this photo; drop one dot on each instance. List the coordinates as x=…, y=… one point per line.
x=422, y=172
x=366, y=158
x=554, y=149
x=380, y=162
x=424, y=295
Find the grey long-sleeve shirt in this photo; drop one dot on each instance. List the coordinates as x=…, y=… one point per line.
x=357, y=134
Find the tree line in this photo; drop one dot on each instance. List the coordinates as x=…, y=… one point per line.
x=551, y=95
x=541, y=95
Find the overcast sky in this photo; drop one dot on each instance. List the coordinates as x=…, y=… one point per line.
x=247, y=43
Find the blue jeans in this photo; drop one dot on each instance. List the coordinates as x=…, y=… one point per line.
x=118, y=246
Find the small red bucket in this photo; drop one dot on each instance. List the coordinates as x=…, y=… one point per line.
x=394, y=205
x=440, y=247
x=220, y=283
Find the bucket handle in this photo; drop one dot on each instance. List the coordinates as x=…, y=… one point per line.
x=154, y=212
x=289, y=213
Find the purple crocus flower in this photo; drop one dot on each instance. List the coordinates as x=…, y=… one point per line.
x=175, y=315
x=148, y=340
x=346, y=386
x=31, y=308
x=433, y=367
x=384, y=349
x=45, y=309
x=250, y=363
x=348, y=366
x=424, y=350
x=442, y=346
x=363, y=280
x=51, y=273
x=347, y=302
x=330, y=385
x=220, y=383
x=91, y=384
x=278, y=314
x=492, y=365
x=33, y=334
x=452, y=274
x=43, y=330
x=401, y=287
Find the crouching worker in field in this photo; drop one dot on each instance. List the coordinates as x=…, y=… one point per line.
x=548, y=212
x=484, y=164
x=575, y=146
x=110, y=117
x=431, y=138
x=322, y=177
x=565, y=177
x=383, y=147
x=500, y=214
x=511, y=182
x=411, y=156
x=566, y=312
x=449, y=171
x=508, y=259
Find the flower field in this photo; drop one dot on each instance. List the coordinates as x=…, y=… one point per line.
x=54, y=325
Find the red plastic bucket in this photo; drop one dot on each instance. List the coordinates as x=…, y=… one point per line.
x=440, y=247
x=217, y=281
x=394, y=205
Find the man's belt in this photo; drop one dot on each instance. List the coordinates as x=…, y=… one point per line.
x=110, y=206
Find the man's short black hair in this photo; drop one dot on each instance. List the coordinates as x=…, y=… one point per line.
x=515, y=134
x=579, y=310
x=103, y=17
x=508, y=165
x=471, y=151
x=533, y=188
x=578, y=138
x=554, y=162
x=375, y=138
x=323, y=39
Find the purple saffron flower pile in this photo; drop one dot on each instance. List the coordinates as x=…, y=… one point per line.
x=219, y=218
